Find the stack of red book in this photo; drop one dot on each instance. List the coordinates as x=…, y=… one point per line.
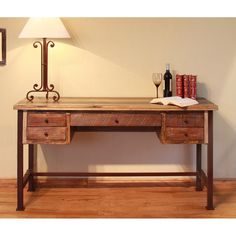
x=186, y=86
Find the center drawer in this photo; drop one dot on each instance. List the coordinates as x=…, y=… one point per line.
x=115, y=119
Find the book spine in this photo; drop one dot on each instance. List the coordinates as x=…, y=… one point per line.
x=186, y=86
x=179, y=85
x=193, y=87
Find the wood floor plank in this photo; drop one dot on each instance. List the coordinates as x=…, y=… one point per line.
x=118, y=200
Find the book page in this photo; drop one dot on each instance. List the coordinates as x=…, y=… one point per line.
x=178, y=101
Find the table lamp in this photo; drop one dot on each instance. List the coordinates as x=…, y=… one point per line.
x=44, y=28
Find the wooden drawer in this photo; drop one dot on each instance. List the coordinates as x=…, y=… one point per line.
x=46, y=134
x=183, y=135
x=186, y=119
x=46, y=119
x=115, y=119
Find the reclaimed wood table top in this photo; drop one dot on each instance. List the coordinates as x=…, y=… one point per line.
x=108, y=104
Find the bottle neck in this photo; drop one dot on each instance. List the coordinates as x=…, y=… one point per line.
x=167, y=67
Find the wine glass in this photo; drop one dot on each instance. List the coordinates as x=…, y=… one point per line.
x=157, y=79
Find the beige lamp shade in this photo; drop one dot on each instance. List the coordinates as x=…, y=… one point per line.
x=44, y=28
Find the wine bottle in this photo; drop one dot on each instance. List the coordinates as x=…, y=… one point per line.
x=168, y=82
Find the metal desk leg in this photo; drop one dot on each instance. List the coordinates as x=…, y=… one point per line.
x=210, y=163
x=20, y=155
x=31, y=186
x=199, y=167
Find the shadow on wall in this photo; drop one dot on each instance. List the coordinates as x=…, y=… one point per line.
x=225, y=150
x=90, y=151
x=202, y=90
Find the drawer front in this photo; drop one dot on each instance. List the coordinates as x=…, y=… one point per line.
x=46, y=119
x=184, y=135
x=115, y=119
x=187, y=119
x=46, y=134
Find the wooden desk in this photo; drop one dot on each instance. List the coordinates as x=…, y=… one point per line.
x=48, y=122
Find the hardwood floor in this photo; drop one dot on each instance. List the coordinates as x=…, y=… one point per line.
x=89, y=199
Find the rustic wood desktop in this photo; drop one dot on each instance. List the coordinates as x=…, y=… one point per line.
x=47, y=122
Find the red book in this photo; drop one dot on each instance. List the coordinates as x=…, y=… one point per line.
x=179, y=85
x=186, y=86
x=193, y=86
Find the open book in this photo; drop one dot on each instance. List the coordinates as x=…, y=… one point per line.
x=178, y=101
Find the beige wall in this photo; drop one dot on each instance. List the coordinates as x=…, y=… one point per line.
x=116, y=57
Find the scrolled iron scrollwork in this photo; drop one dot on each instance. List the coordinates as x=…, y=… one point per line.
x=51, y=43
x=42, y=88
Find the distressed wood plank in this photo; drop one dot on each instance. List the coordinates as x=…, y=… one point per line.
x=115, y=119
x=107, y=104
x=183, y=135
x=47, y=119
x=47, y=135
x=185, y=119
x=206, y=127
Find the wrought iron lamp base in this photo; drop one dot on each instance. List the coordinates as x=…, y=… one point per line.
x=56, y=97
x=44, y=73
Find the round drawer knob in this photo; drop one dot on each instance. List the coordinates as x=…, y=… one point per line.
x=117, y=121
x=185, y=122
x=46, y=134
x=46, y=121
x=186, y=135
